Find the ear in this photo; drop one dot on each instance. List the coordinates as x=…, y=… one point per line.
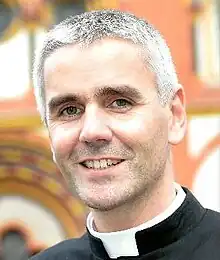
x=177, y=120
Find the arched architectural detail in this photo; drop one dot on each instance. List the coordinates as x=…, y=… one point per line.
x=27, y=171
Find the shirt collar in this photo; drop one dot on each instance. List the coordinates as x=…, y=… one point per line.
x=123, y=243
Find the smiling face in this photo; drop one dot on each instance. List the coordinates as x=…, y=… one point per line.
x=109, y=133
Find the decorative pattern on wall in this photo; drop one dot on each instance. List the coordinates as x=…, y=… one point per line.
x=101, y=4
x=186, y=163
x=33, y=193
x=206, y=34
x=204, y=152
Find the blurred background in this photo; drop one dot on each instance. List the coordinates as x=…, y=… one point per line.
x=36, y=209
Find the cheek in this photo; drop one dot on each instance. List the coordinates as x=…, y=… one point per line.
x=133, y=129
x=64, y=139
x=141, y=130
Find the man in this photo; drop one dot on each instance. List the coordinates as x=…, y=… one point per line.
x=107, y=90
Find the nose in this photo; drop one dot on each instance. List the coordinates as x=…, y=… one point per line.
x=95, y=127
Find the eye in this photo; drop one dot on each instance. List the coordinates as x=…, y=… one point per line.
x=121, y=104
x=71, y=111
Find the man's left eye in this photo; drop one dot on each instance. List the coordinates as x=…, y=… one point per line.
x=121, y=103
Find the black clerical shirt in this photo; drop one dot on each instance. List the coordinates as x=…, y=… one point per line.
x=190, y=233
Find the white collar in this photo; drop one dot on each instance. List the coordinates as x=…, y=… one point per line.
x=123, y=243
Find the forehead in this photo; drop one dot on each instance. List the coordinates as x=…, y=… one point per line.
x=105, y=50
x=106, y=62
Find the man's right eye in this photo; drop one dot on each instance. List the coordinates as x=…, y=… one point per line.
x=70, y=111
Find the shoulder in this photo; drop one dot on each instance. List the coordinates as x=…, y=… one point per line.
x=77, y=248
x=211, y=223
x=213, y=216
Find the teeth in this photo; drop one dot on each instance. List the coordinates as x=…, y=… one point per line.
x=90, y=164
x=96, y=164
x=101, y=164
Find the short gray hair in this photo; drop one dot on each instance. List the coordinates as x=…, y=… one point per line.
x=88, y=27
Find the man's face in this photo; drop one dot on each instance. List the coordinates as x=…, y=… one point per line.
x=109, y=133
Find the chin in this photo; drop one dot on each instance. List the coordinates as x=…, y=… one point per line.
x=105, y=196
x=100, y=201
x=102, y=206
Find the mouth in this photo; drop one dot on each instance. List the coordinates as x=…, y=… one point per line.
x=101, y=164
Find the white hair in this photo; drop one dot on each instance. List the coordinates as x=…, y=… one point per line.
x=88, y=27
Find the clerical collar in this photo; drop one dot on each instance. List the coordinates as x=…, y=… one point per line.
x=123, y=243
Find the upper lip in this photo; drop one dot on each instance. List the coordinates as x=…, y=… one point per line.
x=100, y=158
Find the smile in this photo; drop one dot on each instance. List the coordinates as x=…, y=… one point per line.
x=100, y=164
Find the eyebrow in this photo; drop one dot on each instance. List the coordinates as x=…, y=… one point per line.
x=123, y=90
x=104, y=91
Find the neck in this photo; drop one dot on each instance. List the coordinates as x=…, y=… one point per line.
x=139, y=211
